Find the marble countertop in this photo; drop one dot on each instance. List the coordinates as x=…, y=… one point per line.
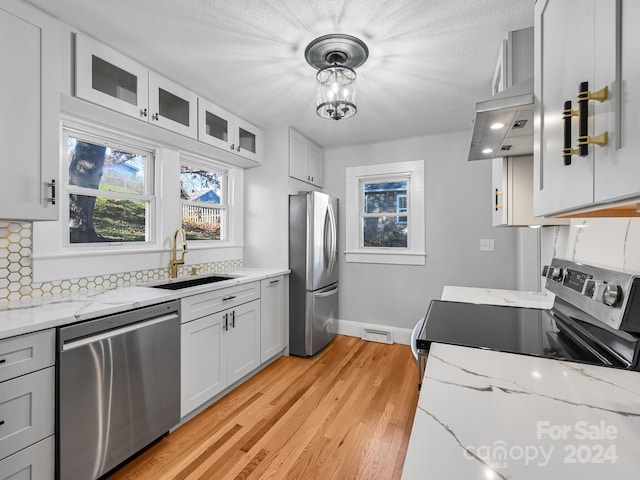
x=492, y=296
x=492, y=415
x=54, y=312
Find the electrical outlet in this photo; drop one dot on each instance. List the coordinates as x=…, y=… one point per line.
x=486, y=245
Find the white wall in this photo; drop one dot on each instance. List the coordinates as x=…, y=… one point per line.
x=606, y=242
x=267, y=190
x=458, y=215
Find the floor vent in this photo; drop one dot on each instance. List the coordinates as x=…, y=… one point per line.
x=382, y=336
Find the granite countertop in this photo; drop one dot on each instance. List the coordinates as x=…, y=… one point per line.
x=492, y=415
x=59, y=311
x=492, y=296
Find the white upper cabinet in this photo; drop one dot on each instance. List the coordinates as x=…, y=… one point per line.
x=172, y=107
x=110, y=79
x=305, y=159
x=512, y=195
x=29, y=100
x=618, y=174
x=222, y=129
x=584, y=150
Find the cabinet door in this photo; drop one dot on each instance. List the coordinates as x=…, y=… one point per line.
x=26, y=353
x=203, y=367
x=26, y=410
x=564, y=58
x=305, y=159
x=271, y=317
x=172, y=106
x=243, y=340
x=248, y=140
x=314, y=164
x=33, y=463
x=110, y=79
x=202, y=304
x=617, y=175
x=499, y=192
x=215, y=125
x=297, y=156
x=29, y=100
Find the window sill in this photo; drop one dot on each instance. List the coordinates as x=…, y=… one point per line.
x=386, y=257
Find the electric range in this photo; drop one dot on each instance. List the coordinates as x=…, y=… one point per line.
x=595, y=319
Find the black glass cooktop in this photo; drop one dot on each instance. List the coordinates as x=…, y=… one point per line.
x=527, y=331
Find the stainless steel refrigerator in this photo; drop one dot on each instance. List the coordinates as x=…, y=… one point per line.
x=313, y=283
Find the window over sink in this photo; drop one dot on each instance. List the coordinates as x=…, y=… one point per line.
x=109, y=191
x=203, y=196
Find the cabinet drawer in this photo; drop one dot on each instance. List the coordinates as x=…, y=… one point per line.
x=26, y=353
x=26, y=410
x=204, y=304
x=33, y=463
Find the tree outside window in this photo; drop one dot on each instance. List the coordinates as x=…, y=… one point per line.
x=109, y=192
x=380, y=228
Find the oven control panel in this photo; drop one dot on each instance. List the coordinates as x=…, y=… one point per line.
x=598, y=291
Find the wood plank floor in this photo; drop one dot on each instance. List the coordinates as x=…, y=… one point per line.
x=346, y=414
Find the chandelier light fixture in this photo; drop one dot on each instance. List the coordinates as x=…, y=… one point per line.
x=336, y=56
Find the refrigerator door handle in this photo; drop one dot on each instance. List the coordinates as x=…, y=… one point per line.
x=328, y=293
x=330, y=241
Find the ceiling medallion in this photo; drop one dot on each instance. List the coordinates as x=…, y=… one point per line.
x=336, y=56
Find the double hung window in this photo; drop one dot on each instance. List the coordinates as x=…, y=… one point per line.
x=203, y=194
x=109, y=191
x=385, y=213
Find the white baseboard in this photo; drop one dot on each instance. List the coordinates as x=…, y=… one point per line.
x=354, y=329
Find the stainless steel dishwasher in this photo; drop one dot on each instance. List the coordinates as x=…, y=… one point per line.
x=118, y=388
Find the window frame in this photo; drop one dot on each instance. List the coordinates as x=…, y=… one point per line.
x=224, y=205
x=356, y=177
x=96, y=136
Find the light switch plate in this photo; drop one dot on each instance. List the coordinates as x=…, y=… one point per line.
x=486, y=245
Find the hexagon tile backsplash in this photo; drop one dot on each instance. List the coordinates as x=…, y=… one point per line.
x=16, y=274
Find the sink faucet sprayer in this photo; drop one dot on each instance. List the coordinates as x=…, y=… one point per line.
x=175, y=261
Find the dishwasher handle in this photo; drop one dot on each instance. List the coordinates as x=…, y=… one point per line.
x=81, y=342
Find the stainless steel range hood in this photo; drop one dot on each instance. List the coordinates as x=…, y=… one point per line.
x=513, y=109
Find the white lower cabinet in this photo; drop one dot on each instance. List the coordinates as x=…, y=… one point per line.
x=218, y=349
x=27, y=399
x=33, y=463
x=271, y=317
x=243, y=340
x=203, y=370
x=26, y=410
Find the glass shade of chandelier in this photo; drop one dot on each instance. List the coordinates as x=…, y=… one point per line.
x=336, y=56
x=336, y=92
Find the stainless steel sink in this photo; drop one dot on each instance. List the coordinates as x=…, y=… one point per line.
x=191, y=282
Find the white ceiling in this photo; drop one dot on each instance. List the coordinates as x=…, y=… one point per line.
x=429, y=60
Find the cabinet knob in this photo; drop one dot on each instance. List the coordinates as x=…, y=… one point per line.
x=143, y=113
x=233, y=146
x=155, y=117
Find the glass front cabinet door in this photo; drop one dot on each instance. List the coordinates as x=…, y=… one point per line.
x=172, y=106
x=110, y=79
x=222, y=129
